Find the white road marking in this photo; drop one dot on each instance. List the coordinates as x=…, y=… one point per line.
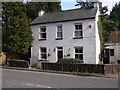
x=27, y=84
x=41, y=86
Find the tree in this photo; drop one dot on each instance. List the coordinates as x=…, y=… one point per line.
x=32, y=8
x=110, y=22
x=16, y=31
x=115, y=15
x=87, y=3
x=0, y=27
x=51, y=6
x=114, y=36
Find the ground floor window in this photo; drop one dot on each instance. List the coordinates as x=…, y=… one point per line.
x=111, y=52
x=79, y=53
x=43, y=53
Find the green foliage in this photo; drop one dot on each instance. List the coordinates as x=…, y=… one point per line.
x=100, y=33
x=69, y=60
x=86, y=3
x=104, y=10
x=51, y=6
x=17, y=35
x=110, y=22
x=115, y=15
x=16, y=30
x=32, y=8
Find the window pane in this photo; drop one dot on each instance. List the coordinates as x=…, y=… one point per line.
x=111, y=52
x=77, y=34
x=43, y=35
x=59, y=34
x=43, y=53
x=79, y=50
x=80, y=26
x=43, y=56
x=59, y=31
x=43, y=50
x=60, y=48
x=76, y=27
x=43, y=29
x=79, y=56
x=81, y=33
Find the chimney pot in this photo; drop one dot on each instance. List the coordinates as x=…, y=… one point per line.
x=40, y=13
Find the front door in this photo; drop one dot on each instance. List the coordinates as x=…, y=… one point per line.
x=59, y=53
x=107, y=56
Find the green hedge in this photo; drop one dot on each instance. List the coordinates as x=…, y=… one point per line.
x=70, y=60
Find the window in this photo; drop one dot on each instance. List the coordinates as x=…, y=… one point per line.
x=79, y=53
x=59, y=32
x=111, y=52
x=78, y=33
x=43, y=53
x=42, y=34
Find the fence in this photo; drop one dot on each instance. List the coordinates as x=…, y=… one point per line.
x=19, y=63
x=90, y=68
x=112, y=68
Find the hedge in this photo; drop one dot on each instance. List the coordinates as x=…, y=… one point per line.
x=69, y=60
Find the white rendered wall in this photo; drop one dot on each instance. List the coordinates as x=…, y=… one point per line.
x=97, y=37
x=68, y=43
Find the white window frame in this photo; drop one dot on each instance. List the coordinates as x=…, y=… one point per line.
x=42, y=53
x=79, y=30
x=57, y=31
x=41, y=32
x=81, y=53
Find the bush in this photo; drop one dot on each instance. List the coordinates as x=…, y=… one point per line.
x=69, y=60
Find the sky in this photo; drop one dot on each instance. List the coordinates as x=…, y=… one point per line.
x=70, y=4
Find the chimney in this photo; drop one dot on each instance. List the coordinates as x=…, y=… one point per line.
x=97, y=5
x=40, y=13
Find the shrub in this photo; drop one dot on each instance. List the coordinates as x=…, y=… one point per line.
x=69, y=60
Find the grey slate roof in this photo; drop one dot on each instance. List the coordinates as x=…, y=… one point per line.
x=68, y=15
x=111, y=44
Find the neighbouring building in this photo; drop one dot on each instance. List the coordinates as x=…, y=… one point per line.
x=112, y=53
x=66, y=34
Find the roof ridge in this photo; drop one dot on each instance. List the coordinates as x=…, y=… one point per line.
x=69, y=10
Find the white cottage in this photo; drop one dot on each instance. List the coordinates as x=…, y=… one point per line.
x=66, y=34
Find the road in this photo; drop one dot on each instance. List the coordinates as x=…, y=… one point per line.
x=31, y=79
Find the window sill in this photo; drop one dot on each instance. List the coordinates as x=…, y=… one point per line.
x=78, y=38
x=42, y=39
x=58, y=38
x=43, y=60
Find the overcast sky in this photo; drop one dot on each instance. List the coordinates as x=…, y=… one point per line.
x=70, y=4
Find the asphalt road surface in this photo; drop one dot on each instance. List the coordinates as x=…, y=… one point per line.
x=31, y=79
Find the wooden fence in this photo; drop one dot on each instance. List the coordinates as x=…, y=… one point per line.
x=90, y=68
x=18, y=63
x=112, y=68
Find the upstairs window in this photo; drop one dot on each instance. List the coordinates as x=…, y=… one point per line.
x=78, y=32
x=59, y=32
x=79, y=53
x=42, y=33
x=43, y=53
